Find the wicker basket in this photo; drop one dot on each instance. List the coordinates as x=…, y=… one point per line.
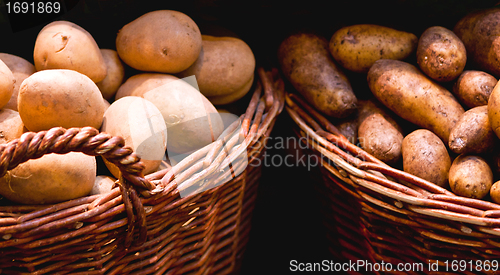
x=379, y=214
x=143, y=226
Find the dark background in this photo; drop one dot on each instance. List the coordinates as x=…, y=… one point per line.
x=287, y=221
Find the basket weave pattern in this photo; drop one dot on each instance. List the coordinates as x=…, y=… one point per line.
x=144, y=226
x=376, y=213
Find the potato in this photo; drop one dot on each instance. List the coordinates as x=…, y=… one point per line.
x=192, y=121
x=230, y=98
x=65, y=45
x=410, y=94
x=102, y=185
x=139, y=84
x=473, y=133
x=495, y=192
x=357, y=47
x=142, y=126
x=21, y=69
x=7, y=82
x=11, y=125
x=349, y=128
x=426, y=156
x=473, y=88
x=164, y=41
x=494, y=109
x=378, y=133
x=60, y=97
x=306, y=63
x=441, y=54
x=224, y=67
x=479, y=32
x=470, y=176
x=50, y=179
x=115, y=74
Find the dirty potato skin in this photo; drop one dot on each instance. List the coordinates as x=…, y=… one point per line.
x=479, y=33
x=470, y=176
x=349, y=128
x=405, y=90
x=357, y=47
x=306, y=63
x=473, y=133
x=426, y=156
x=378, y=133
x=473, y=88
x=494, y=109
x=440, y=54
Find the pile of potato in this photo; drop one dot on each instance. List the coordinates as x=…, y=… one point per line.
x=448, y=136
x=74, y=83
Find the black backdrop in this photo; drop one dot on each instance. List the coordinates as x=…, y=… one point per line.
x=286, y=223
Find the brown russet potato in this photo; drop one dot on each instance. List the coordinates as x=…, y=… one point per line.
x=60, y=97
x=425, y=156
x=139, y=84
x=21, y=69
x=164, y=41
x=53, y=178
x=11, y=125
x=357, y=47
x=405, y=90
x=306, y=62
x=479, y=31
x=224, y=67
x=192, y=121
x=141, y=125
x=494, y=109
x=348, y=127
x=470, y=176
x=441, y=54
x=473, y=88
x=495, y=192
x=378, y=133
x=7, y=82
x=473, y=133
x=115, y=74
x=65, y=45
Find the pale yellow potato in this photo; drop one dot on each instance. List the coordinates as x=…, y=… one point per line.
x=139, y=84
x=225, y=67
x=115, y=74
x=21, y=69
x=65, y=45
x=11, y=125
x=357, y=47
x=53, y=178
x=192, y=121
x=64, y=98
x=164, y=41
x=7, y=82
x=141, y=124
x=102, y=185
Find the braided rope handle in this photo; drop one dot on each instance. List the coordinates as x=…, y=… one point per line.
x=89, y=141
